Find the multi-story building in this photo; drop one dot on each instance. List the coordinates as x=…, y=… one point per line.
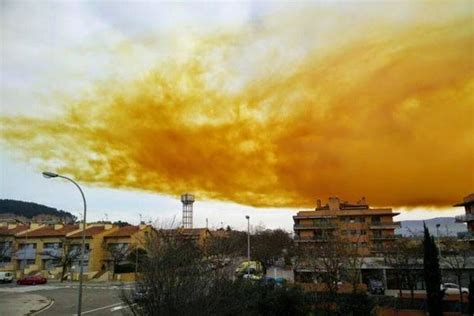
x=468, y=203
x=371, y=230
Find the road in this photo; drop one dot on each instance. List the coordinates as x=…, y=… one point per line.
x=97, y=299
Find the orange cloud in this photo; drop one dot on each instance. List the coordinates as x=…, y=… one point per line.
x=385, y=113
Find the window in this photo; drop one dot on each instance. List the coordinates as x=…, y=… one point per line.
x=376, y=219
x=353, y=232
x=363, y=232
x=54, y=245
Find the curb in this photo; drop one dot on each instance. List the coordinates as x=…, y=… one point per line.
x=51, y=302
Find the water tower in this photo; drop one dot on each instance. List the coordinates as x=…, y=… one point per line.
x=187, y=200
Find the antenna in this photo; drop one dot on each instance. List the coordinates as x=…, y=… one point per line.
x=187, y=199
x=141, y=220
x=207, y=222
x=106, y=217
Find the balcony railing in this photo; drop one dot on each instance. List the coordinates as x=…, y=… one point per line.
x=312, y=239
x=381, y=225
x=464, y=218
x=315, y=226
x=383, y=237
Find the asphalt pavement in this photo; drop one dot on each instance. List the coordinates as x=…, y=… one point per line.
x=97, y=298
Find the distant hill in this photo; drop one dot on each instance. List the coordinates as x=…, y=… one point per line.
x=10, y=209
x=448, y=227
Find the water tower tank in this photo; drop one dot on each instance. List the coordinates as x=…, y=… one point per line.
x=187, y=200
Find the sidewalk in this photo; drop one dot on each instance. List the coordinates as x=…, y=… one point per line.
x=19, y=304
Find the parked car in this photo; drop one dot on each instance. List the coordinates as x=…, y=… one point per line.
x=140, y=295
x=6, y=277
x=249, y=267
x=32, y=280
x=453, y=288
x=253, y=277
x=376, y=287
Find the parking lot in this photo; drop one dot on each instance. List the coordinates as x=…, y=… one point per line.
x=57, y=298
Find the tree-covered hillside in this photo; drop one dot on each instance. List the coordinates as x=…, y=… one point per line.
x=30, y=210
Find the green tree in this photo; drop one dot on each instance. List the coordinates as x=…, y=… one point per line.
x=432, y=274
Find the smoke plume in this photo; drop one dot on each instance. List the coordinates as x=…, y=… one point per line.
x=291, y=108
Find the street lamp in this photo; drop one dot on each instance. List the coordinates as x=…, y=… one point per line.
x=248, y=245
x=49, y=175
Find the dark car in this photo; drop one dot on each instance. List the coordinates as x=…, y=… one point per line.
x=376, y=287
x=140, y=295
x=32, y=280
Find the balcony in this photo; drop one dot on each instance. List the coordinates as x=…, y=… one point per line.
x=464, y=218
x=313, y=226
x=381, y=225
x=391, y=237
x=312, y=239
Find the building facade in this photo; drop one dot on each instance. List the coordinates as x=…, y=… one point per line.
x=468, y=204
x=468, y=217
x=371, y=230
x=40, y=248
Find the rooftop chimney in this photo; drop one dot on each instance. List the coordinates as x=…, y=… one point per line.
x=363, y=201
x=318, y=203
x=334, y=204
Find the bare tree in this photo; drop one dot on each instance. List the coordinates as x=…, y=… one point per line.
x=327, y=259
x=405, y=257
x=5, y=249
x=66, y=255
x=456, y=256
x=268, y=246
x=118, y=253
x=353, y=260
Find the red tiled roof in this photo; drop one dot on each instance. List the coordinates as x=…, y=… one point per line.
x=8, y=232
x=125, y=231
x=89, y=232
x=49, y=231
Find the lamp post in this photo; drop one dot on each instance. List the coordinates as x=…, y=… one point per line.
x=83, y=245
x=248, y=245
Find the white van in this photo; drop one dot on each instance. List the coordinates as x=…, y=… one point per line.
x=6, y=277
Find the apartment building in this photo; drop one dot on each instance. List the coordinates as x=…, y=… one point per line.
x=468, y=217
x=370, y=230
